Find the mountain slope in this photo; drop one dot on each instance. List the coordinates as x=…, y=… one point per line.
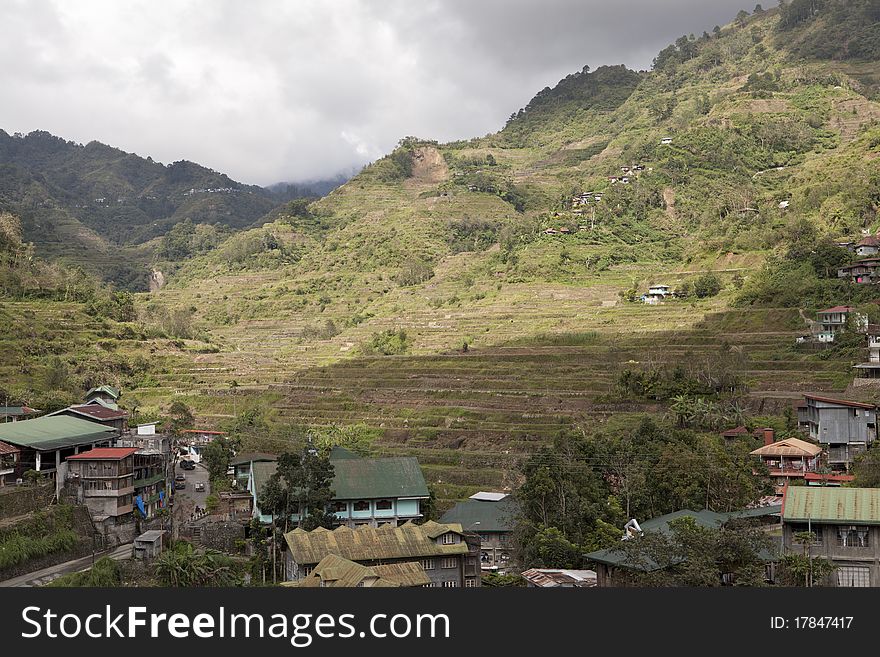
x=77, y=202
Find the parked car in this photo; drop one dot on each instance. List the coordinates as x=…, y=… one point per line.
x=179, y=484
x=187, y=465
x=200, y=486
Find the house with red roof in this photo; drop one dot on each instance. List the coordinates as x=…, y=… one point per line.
x=104, y=482
x=114, y=418
x=8, y=462
x=869, y=246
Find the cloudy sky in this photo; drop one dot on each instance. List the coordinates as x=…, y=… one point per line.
x=277, y=90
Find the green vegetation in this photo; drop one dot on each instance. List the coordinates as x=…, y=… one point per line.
x=44, y=533
x=105, y=573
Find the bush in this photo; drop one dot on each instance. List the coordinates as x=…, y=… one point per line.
x=707, y=285
x=413, y=272
x=388, y=343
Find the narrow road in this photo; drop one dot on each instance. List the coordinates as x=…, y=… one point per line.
x=46, y=575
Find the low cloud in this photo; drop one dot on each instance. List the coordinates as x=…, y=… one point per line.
x=273, y=90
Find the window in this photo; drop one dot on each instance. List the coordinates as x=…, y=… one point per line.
x=340, y=507
x=852, y=536
x=384, y=505
x=449, y=562
x=484, y=538
x=360, y=584
x=470, y=582
x=815, y=530
x=448, y=539
x=450, y=585
x=428, y=564
x=849, y=576
x=361, y=505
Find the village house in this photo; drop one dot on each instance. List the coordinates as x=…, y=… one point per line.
x=845, y=523
x=106, y=395
x=787, y=459
x=871, y=368
x=193, y=441
x=114, y=418
x=153, y=467
x=150, y=544
x=104, y=482
x=492, y=516
x=337, y=572
x=862, y=271
x=8, y=463
x=832, y=321
x=16, y=413
x=868, y=246
x=550, y=578
x=45, y=443
x=614, y=566
x=447, y=554
x=657, y=294
x=843, y=428
x=368, y=491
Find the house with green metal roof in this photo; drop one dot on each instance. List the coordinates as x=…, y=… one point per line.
x=46, y=442
x=493, y=518
x=367, y=491
x=613, y=562
x=446, y=553
x=843, y=525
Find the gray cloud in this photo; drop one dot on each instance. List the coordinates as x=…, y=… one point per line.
x=275, y=90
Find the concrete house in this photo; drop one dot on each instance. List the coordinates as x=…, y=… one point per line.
x=153, y=467
x=446, y=553
x=657, y=294
x=868, y=246
x=871, y=368
x=492, y=517
x=862, y=272
x=843, y=428
x=373, y=492
x=846, y=525
x=104, y=481
x=831, y=321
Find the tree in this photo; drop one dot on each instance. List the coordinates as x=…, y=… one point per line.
x=741, y=17
x=707, y=285
x=867, y=469
x=301, y=486
x=180, y=417
x=758, y=10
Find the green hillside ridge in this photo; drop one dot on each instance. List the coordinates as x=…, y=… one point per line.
x=454, y=296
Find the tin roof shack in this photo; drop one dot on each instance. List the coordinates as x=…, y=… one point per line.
x=8, y=463
x=844, y=428
x=373, y=492
x=114, y=418
x=446, y=553
x=492, y=516
x=46, y=442
x=547, y=578
x=337, y=572
x=846, y=525
x=150, y=544
x=104, y=480
x=614, y=565
x=16, y=413
x=789, y=459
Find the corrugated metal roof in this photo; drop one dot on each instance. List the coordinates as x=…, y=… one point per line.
x=788, y=447
x=104, y=454
x=373, y=544
x=548, y=577
x=334, y=571
x=16, y=411
x=842, y=402
x=488, y=497
x=94, y=411
x=359, y=479
x=107, y=390
x=832, y=504
x=483, y=516
x=8, y=449
x=398, y=476
x=58, y=432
